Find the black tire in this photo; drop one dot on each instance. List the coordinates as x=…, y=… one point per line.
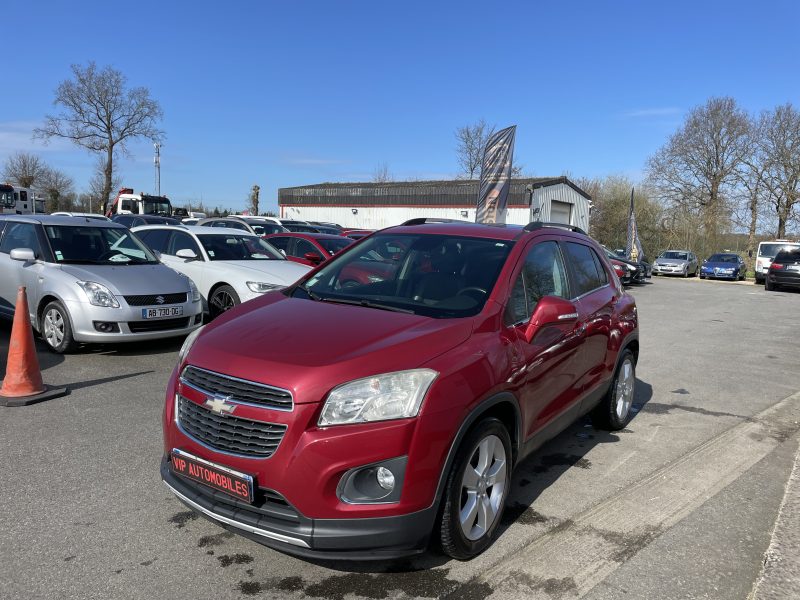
x=702, y=276
x=454, y=541
x=614, y=411
x=770, y=286
x=56, y=328
x=222, y=299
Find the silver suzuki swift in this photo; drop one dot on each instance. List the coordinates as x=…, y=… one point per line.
x=91, y=281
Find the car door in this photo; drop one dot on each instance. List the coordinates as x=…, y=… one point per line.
x=595, y=298
x=15, y=273
x=545, y=370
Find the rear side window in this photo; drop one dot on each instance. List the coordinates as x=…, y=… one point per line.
x=586, y=268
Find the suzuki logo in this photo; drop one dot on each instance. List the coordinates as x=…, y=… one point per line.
x=160, y=299
x=219, y=405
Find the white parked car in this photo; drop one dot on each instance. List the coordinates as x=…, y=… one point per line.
x=228, y=266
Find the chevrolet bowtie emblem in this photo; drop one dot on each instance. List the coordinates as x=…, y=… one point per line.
x=219, y=405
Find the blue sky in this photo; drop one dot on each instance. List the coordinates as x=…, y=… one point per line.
x=292, y=93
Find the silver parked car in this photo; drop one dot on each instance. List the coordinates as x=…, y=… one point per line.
x=91, y=281
x=676, y=262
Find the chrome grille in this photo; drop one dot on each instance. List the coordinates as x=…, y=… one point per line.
x=229, y=434
x=239, y=390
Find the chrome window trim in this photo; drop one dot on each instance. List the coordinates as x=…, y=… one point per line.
x=233, y=401
x=262, y=532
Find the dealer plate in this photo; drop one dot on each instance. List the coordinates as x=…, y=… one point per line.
x=162, y=312
x=236, y=484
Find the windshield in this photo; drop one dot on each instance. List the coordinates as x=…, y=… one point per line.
x=97, y=245
x=723, y=258
x=232, y=246
x=332, y=246
x=437, y=276
x=675, y=255
x=770, y=250
x=7, y=198
x=156, y=205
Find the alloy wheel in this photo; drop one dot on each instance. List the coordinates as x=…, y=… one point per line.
x=222, y=301
x=54, y=327
x=483, y=487
x=625, y=387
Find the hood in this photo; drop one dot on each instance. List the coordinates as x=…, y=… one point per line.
x=284, y=272
x=310, y=347
x=671, y=261
x=128, y=280
x=720, y=265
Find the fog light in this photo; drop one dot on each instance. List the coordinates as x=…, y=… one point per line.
x=385, y=478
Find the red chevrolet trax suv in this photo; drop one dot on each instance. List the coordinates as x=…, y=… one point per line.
x=364, y=421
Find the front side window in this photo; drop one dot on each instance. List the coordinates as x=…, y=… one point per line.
x=304, y=247
x=281, y=243
x=21, y=235
x=332, y=245
x=97, y=245
x=182, y=241
x=586, y=267
x=439, y=276
x=234, y=246
x=543, y=274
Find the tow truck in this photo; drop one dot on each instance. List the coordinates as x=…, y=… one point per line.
x=129, y=203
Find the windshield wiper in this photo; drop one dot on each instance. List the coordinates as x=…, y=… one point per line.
x=368, y=304
x=311, y=294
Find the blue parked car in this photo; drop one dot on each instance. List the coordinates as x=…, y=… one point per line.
x=723, y=266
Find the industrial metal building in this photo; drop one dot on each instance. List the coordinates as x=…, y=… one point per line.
x=378, y=205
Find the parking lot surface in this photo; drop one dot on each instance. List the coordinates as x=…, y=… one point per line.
x=680, y=504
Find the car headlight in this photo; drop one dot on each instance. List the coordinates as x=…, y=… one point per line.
x=195, y=292
x=259, y=287
x=188, y=343
x=98, y=294
x=379, y=398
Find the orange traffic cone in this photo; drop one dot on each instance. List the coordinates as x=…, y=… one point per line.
x=23, y=382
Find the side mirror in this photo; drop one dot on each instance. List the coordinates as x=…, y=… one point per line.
x=186, y=253
x=23, y=254
x=313, y=257
x=550, y=310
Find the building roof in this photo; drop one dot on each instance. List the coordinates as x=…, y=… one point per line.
x=405, y=193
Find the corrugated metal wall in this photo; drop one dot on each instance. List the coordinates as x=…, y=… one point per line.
x=451, y=201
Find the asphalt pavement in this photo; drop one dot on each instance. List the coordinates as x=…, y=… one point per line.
x=692, y=500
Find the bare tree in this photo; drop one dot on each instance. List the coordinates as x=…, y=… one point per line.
x=778, y=151
x=470, y=143
x=253, y=200
x=100, y=113
x=381, y=174
x=57, y=188
x=97, y=185
x=696, y=169
x=24, y=169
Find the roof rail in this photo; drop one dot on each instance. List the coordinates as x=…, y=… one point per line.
x=534, y=225
x=423, y=220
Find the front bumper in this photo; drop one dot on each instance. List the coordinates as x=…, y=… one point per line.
x=274, y=522
x=83, y=317
x=661, y=270
x=712, y=275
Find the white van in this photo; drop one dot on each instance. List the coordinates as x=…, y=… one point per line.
x=766, y=252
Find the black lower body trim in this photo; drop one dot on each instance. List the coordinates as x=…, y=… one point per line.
x=379, y=538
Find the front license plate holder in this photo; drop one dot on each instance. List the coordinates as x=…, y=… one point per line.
x=162, y=312
x=228, y=481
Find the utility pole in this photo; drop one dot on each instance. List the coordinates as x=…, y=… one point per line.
x=157, y=161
